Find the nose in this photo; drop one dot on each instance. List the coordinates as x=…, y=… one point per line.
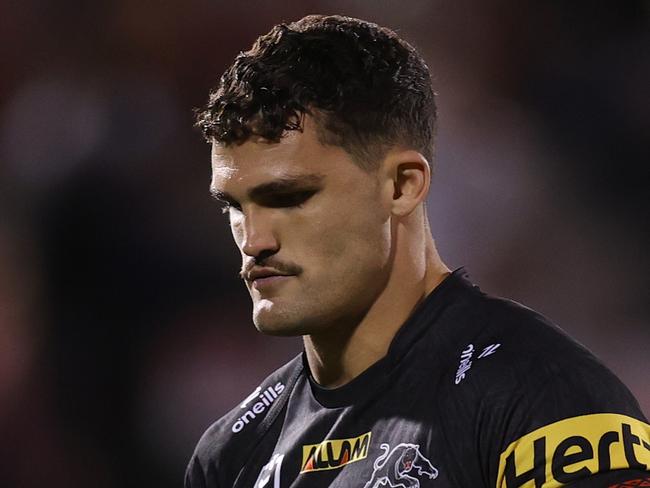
x=258, y=238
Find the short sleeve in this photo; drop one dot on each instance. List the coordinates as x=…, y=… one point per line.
x=194, y=477
x=572, y=422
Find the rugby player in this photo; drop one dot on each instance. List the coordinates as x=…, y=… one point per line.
x=411, y=376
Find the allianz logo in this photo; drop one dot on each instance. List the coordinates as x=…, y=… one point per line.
x=466, y=359
x=264, y=400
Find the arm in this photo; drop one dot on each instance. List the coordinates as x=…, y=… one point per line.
x=194, y=476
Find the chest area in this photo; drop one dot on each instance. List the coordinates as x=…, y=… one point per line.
x=374, y=445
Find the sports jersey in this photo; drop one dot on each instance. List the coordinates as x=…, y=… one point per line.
x=475, y=391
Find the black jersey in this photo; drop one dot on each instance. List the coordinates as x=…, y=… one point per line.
x=475, y=391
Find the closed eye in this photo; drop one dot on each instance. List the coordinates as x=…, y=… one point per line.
x=286, y=200
x=271, y=195
x=225, y=203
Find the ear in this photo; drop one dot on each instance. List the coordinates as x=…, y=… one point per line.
x=410, y=174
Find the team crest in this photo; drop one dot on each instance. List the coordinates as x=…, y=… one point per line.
x=402, y=467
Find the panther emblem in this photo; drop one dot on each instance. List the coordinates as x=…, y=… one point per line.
x=395, y=469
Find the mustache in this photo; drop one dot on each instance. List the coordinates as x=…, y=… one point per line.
x=277, y=265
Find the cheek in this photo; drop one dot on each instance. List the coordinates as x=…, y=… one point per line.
x=350, y=239
x=347, y=266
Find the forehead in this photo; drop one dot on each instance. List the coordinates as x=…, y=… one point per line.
x=258, y=159
x=296, y=154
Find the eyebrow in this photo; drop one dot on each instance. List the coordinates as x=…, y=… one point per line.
x=283, y=184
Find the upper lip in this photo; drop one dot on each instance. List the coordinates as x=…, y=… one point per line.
x=263, y=273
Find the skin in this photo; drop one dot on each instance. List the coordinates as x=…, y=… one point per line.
x=354, y=246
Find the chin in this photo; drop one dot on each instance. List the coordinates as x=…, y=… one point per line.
x=275, y=328
x=271, y=321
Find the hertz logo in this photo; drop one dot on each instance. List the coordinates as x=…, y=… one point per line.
x=574, y=448
x=334, y=453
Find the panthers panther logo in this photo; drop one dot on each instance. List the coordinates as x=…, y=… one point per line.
x=394, y=469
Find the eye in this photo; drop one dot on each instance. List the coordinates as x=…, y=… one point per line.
x=286, y=200
x=226, y=207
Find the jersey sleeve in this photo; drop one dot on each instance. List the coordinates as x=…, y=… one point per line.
x=567, y=421
x=576, y=450
x=228, y=444
x=625, y=478
x=194, y=475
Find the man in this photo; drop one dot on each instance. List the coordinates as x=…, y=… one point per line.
x=411, y=377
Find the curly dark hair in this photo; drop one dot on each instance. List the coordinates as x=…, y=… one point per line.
x=366, y=88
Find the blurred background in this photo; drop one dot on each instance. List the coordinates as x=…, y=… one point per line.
x=124, y=329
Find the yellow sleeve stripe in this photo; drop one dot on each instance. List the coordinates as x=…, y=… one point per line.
x=574, y=448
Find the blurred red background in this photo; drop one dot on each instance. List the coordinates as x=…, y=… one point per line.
x=124, y=329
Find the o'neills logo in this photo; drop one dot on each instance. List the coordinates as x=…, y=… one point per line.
x=575, y=448
x=334, y=453
x=265, y=399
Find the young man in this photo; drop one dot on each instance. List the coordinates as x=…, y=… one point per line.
x=411, y=377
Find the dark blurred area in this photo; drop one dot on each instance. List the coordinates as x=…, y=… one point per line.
x=124, y=329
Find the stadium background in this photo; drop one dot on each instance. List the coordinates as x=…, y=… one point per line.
x=124, y=330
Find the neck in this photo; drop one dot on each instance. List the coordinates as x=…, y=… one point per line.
x=339, y=356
